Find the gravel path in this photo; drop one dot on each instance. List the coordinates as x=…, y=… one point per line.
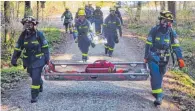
x=90, y=96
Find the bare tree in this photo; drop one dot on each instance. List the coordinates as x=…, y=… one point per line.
x=42, y=7
x=138, y=12
x=28, y=10
x=156, y=4
x=7, y=14
x=162, y=5
x=18, y=11
x=172, y=7
x=184, y=5
x=37, y=10
x=64, y=5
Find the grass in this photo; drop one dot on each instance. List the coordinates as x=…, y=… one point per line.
x=52, y=36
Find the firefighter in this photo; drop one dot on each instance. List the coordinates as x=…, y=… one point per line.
x=67, y=15
x=98, y=19
x=112, y=31
x=91, y=8
x=161, y=42
x=82, y=34
x=76, y=15
x=35, y=54
x=89, y=12
x=118, y=14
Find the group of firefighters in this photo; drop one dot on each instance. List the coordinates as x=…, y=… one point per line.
x=82, y=28
x=162, y=40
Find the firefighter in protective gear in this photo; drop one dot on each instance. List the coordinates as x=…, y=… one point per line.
x=118, y=14
x=89, y=13
x=33, y=47
x=112, y=31
x=67, y=15
x=81, y=34
x=161, y=42
x=98, y=19
x=76, y=15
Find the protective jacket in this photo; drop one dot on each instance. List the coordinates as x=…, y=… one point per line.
x=34, y=49
x=67, y=17
x=98, y=20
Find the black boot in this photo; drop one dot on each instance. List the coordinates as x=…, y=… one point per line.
x=41, y=86
x=84, y=58
x=106, y=50
x=34, y=95
x=158, y=100
x=110, y=53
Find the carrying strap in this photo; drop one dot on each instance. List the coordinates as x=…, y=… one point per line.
x=171, y=39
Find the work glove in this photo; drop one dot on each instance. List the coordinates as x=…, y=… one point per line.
x=145, y=61
x=92, y=45
x=116, y=40
x=181, y=63
x=51, y=66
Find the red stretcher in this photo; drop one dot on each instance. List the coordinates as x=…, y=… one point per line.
x=98, y=71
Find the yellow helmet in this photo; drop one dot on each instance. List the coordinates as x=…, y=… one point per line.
x=166, y=15
x=67, y=8
x=98, y=5
x=112, y=9
x=81, y=12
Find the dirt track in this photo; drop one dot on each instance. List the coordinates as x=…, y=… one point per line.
x=91, y=96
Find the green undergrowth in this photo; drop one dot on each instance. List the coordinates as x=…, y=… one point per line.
x=52, y=35
x=183, y=78
x=11, y=76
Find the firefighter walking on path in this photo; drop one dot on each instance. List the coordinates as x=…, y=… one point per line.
x=67, y=17
x=161, y=42
x=89, y=12
x=82, y=34
x=118, y=14
x=35, y=54
x=98, y=19
x=112, y=31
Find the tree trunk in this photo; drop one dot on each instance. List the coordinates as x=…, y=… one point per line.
x=156, y=3
x=28, y=10
x=18, y=11
x=138, y=12
x=64, y=5
x=7, y=14
x=184, y=5
x=162, y=5
x=37, y=10
x=172, y=8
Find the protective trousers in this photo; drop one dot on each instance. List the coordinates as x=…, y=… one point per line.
x=37, y=82
x=109, y=47
x=98, y=23
x=83, y=44
x=68, y=26
x=156, y=72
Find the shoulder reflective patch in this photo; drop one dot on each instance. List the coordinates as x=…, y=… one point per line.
x=149, y=38
x=176, y=41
